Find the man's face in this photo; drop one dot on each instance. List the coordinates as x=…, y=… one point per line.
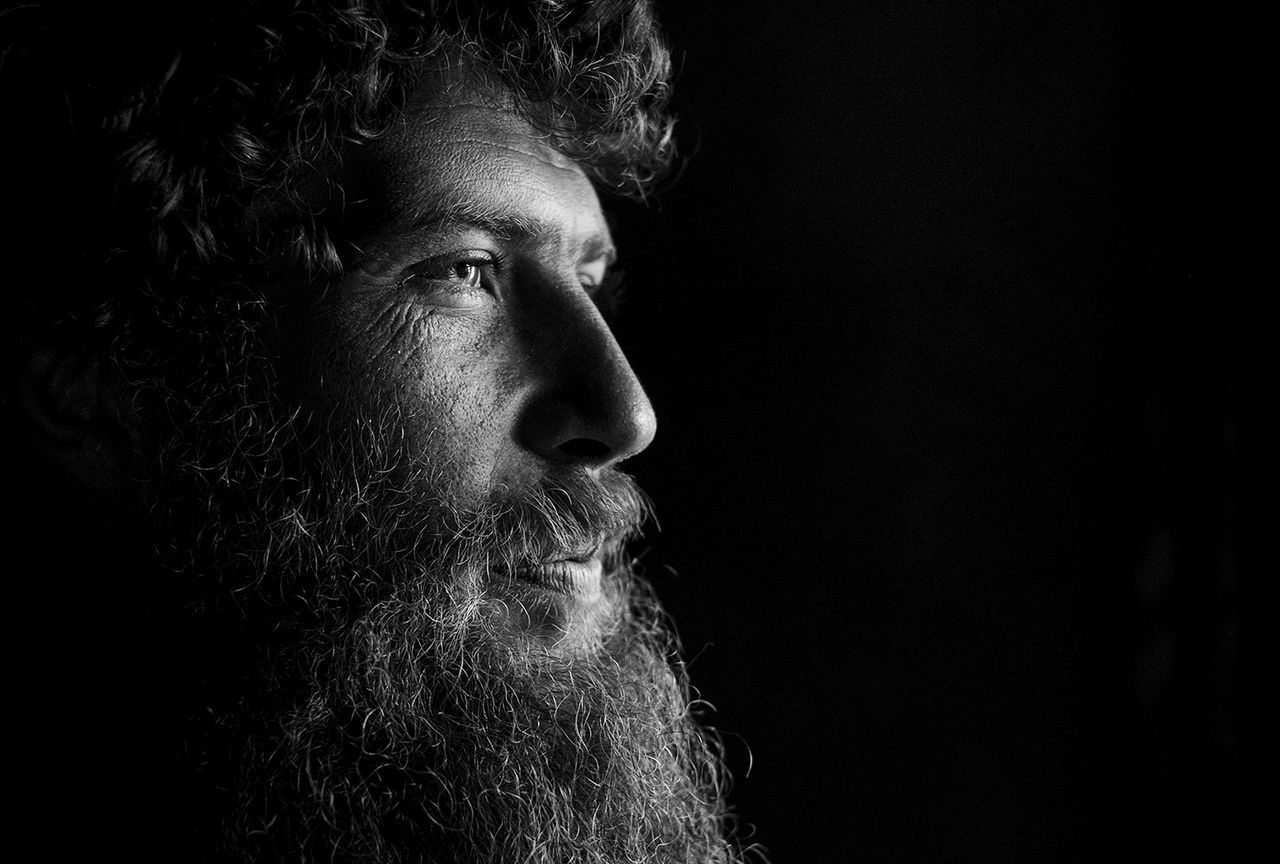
x=469, y=314
x=399, y=507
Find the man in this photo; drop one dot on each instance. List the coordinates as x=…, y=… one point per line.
x=321, y=422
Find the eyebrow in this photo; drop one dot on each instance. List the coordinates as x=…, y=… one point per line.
x=501, y=223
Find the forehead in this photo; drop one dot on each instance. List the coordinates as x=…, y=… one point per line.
x=472, y=159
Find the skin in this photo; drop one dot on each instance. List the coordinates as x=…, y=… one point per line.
x=470, y=309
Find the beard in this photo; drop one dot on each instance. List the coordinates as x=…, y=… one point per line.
x=373, y=682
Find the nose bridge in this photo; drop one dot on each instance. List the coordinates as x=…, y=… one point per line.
x=586, y=404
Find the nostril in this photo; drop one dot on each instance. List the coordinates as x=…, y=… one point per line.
x=586, y=449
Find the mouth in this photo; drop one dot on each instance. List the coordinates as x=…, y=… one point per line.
x=575, y=576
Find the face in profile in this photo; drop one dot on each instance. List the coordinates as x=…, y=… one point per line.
x=469, y=315
x=414, y=531
x=331, y=379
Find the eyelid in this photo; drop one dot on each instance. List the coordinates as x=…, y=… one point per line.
x=427, y=269
x=598, y=268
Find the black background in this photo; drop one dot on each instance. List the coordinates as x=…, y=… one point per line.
x=947, y=418
x=948, y=463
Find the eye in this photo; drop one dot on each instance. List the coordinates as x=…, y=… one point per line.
x=463, y=272
x=459, y=279
x=606, y=293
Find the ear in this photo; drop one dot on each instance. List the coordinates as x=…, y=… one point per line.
x=76, y=415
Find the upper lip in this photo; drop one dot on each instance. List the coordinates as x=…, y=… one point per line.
x=585, y=553
x=530, y=568
x=565, y=575
x=581, y=554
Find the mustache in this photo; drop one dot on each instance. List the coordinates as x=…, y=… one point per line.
x=398, y=533
x=569, y=517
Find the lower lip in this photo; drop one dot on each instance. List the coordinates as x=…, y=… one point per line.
x=580, y=579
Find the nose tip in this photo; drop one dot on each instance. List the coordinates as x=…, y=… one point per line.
x=589, y=408
x=627, y=430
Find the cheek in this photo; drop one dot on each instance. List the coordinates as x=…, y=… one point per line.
x=443, y=384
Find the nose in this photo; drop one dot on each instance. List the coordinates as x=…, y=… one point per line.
x=586, y=407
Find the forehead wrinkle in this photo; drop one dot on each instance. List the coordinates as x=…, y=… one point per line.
x=477, y=166
x=493, y=121
x=541, y=150
x=451, y=165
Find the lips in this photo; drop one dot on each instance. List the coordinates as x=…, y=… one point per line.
x=577, y=577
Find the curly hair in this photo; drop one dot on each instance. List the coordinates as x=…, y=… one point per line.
x=155, y=145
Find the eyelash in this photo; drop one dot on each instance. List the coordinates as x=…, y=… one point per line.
x=489, y=264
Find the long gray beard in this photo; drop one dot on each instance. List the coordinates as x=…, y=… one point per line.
x=390, y=709
x=415, y=741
